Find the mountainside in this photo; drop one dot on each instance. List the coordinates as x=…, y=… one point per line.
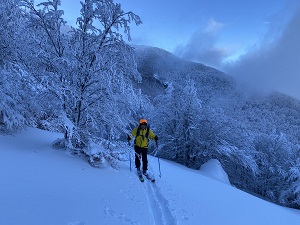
x=276, y=112
x=159, y=67
x=218, y=90
x=254, y=135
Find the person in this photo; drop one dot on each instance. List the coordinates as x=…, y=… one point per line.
x=142, y=134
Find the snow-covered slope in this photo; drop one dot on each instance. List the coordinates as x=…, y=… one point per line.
x=40, y=185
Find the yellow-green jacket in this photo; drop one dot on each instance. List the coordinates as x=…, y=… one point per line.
x=141, y=140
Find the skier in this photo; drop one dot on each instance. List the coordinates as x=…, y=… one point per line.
x=142, y=133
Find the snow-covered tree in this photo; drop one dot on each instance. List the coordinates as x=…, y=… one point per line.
x=14, y=91
x=13, y=95
x=103, y=68
x=291, y=194
x=88, y=70
x=191, y=114
x=167, y=121
x=273, y=162
x=48, y=63
x=177, y=114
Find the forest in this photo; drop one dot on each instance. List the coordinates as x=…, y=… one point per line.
x=90, y=84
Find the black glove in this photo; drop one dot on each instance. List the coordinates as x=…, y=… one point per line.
x=155, y=138
x=128, y=138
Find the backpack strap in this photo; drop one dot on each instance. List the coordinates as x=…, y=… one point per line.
x=147, y=133
x=138, y=131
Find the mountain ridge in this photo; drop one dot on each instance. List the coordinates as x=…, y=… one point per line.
x=160, y=67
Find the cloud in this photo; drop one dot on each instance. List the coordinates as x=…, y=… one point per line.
x=201, y=47
x=274, y=64
x=213, y=26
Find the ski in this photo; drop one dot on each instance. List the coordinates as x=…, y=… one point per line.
x=140, y=176
x=149, y=177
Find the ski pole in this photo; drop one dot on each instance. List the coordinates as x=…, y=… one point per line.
x=158, y=160
x=129, y=157
x=130, y=161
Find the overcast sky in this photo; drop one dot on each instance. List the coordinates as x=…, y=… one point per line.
x=257, y=41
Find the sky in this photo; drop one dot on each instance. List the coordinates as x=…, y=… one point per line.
x=42, y=185
x=255, y=41
x=216, y=30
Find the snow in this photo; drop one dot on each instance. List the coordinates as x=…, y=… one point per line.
x=41, y=185
x=213, y=169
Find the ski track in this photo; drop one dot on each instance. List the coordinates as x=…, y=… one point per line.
x=158, y=205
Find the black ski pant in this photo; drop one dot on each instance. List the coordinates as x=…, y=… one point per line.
x=141, y=153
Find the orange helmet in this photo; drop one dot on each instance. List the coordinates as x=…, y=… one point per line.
x=143, y=121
